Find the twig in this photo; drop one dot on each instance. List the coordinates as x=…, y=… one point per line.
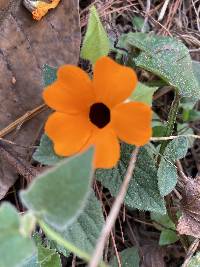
x=190, y=252
x=96, y=257
x=112, y=235
x=27, y=116
x=194, y=50
x=165, y=138
x=116, y=251
x=163, y=10
x=181, y=171
x=15, y=144
x=146, y=15
x=20, y=165
x=135, y=239
x=74, y=261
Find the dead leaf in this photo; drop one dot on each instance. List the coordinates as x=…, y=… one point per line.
x=25, y=46
x=153, y=256
x=189, y=222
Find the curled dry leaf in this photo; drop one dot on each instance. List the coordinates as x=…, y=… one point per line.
x=25, y=46
x=189, y=222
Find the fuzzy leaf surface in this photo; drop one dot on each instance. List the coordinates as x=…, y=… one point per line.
x=143, y=93
x=167, y=172
x=58, y=195
x=85, y=230
x=143, y=192
x=15, y=248
x=168, y=58
x=45, y=153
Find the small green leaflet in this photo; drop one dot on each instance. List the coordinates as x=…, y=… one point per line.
x=96, y=43
x=139, y=23
x=45, y=153
x=143, y=192
x=49, y=74
x=195, y=261
x=15, y=247
x=59, y=194
x=129, y=258
x=167, y=227
x=168, y=58
x=168, y=237
x=48, y=257
x=143, y=93
x=45, y=256
x=167, y=173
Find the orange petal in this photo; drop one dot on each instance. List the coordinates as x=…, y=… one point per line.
x=69, y=133
x=107, y=148
x=113, y=83
x=132, y=122
x=71, y=93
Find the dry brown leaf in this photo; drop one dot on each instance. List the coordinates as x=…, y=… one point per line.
x=153, y=256
x=189, y=222
x=25, y=46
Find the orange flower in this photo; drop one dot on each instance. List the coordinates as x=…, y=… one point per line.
x=93, y=113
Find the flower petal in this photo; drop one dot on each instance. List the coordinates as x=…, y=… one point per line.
x=69, y=133
x=107, y=148
x=132, y=122
x=72, y=92
x=113, y=83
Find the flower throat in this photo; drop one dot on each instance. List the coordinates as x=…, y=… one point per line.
x=99, y=115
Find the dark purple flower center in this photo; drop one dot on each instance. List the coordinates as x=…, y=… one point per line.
x=99, y=115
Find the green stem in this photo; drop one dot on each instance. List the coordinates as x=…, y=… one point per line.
x=171, y=122
x=63, y=242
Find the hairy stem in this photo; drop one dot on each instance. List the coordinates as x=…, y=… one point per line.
x=110, y=221
x=169, y=131
x=171, y=122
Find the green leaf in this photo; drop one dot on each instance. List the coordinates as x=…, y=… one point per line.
x=196, y=70
x=45, y=257
x=45, y=152
x=48, y=257
x=122, y=44
x=168, y=237
x=96, y=43
x=159, y=131
x=138, y=23
x=195, y=261
x=84, y=231
x=129, y=258
x=190, y=115
x=143, y=192
x=167, y=173
x=143, y=93
x=15, y=248
x=184, y=129
x=31, y=262
x=163, y=221
x=59, y=195
x=169, y=59
x=167, y=227
x=187, y=103
x=49, y=74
